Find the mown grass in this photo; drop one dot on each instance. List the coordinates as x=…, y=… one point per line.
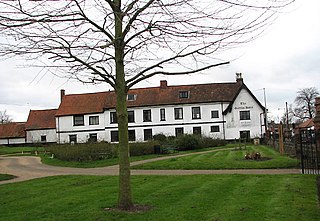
x=6, y=177
x=226, y=159
x=172, y=198
x=19, y=150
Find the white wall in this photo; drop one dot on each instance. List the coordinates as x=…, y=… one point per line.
x=34, y=136
x=12, y=141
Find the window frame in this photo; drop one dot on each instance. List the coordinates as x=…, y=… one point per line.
x=93, y=137
x=94, y=120
x=78, y=122
x=147, y=117
x=197, y=130
x=178, y=113
x=131, y=118
x=114, y=136
x=179, y=131
x=212, y=130
x=132, y=135
x=73, y=138
x=196, y=113
x=244, y=115
x=183, y=94
x=113, y=117
x=147, y=134
x=213, y=115
x=162, y=114
x=43, y=138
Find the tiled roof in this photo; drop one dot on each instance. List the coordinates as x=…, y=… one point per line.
x=12, y=130
x=41, y=119
x=164, y=95
x=72, y=104
x=307, y=124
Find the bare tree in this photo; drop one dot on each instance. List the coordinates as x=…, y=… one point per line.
x=124, y=42
x=305, y=103
x=4, y=117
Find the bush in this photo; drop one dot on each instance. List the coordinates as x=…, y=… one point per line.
x=206, y=142
x=187, y=142
x=143, y=148
x=83, y=152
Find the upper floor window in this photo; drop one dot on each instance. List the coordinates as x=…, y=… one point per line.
x=130, y=116
x=94, y=120
x=113, y=118
x=183, y=94
x=244, y=115
x=196, y=113
x=131, y=97
x=146, y=115
x=178, y=113
x=162, y=114
x=214, y=114
x=78, y=120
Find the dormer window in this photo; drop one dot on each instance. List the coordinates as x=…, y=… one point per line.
x=131, y=97
x=183, y=94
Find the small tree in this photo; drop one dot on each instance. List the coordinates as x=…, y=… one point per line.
x=305, y=103
x=4, y=117
x=123, y=42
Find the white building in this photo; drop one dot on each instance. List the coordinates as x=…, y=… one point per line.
x=220, y=110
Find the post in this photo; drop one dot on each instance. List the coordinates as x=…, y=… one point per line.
x=281, y=138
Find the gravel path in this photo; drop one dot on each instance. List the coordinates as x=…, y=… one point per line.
x=27, y=168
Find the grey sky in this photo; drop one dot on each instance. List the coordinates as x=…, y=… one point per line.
x=284, y=59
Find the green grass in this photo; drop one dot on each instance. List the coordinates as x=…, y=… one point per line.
x=19, y=150
x=6, y=177
x=225, y=159
x=173, y=198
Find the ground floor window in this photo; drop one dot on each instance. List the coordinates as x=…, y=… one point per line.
x=73, y=138
x=43, y=138
x=215, y=129
x=245, y=134
x=147, y=134
x=93, y=137
x=179, y=131
x=114, y=136
x=132, y=135
x=197, y=130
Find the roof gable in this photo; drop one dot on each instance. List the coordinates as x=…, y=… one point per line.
x=41, y=119
x=12, y=130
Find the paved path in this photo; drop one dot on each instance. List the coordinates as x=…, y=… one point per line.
x=27, y=168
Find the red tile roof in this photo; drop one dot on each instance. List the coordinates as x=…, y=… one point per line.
x=164, y=95
x=72, y=104
x=307, y=124
x=41, y=119
x=12, y=130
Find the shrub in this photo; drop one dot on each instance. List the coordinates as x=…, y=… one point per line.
x=206, y=142
x=83, y=152
x=187, y=142
x=143, y=148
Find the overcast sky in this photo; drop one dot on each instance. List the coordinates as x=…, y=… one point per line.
x=283, y=60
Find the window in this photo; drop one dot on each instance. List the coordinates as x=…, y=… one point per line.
x=114, y=136
x=78, y=120
x=244, y=115
x=113, y=118
x=196, y=113
x=162, y=114
x=132, y=135
x=94, y=120
x=131, y=97
x=178, y=113
x=146, y=115
x=215, y=129
x=245, y=134
x=73, y=138
x=183, y=94
x=93, y=137
x=130, y=116
x=197, y=130
x=179, y=131
x=214, y=114
x=43, y=138
x=147, y=134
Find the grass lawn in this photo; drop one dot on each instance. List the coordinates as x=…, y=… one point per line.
x=197, y=197
x=226, y=159
x=19, y=150
x=6, y=177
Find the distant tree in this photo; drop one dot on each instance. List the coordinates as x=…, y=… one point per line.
x=305, y=103
x=123, y=42
x=4, y=117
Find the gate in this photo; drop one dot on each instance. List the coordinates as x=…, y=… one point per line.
x=309, y=151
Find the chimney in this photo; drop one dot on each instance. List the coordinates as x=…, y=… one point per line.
x=163, y=84
x=239, y=77
x=62, y=93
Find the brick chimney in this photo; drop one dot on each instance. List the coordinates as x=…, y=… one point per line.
x=316, y=120
x=239, y=78
x=62, y=93
x=163, y=84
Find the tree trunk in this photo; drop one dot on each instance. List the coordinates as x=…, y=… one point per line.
x=125, y=195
